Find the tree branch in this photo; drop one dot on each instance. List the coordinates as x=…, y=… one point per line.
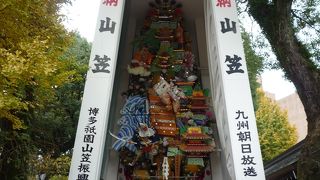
x=305, y=21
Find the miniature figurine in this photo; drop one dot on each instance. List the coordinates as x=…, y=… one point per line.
x=146, y=142
x=143, y=57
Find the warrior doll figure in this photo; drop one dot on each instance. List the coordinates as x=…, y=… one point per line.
x=146, y=143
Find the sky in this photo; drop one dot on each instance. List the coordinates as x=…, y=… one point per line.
x=82, y=17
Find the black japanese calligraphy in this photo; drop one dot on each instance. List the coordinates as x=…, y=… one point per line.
x=226, y=27
x=92, y=120
x=102, y=64
x=223, y=3
x=85, y=157
x=247, y=160
x=105, y=25
x=84, y=167
x=234, y=64
x=87, y=148
x=244, y=136
x=83, y=177
x=242, y=125
x=246, y=148
x=93, y=111
x=88, y=138
x=241, y=113
x=110, y=2
x=249, y=171
x=89, y=129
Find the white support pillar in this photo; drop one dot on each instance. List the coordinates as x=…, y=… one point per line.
x=231, y=92
x=92, y=126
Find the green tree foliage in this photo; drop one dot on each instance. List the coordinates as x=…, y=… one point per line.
x=28, y=76
x=254, y=66
x=272, y=122
x=54, y=126
x=31, y=40
x=54, y=168
x=276, y=135
x=306, y=21
x=40, y=83
x=23, y=20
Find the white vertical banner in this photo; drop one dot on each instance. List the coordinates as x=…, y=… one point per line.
x=241, y=136
x=92, y=126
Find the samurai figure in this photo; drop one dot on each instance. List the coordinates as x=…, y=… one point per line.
x=146, y=140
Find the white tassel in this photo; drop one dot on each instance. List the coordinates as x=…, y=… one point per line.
x=165, y=168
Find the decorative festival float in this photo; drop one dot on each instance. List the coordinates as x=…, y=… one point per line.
x=166, y=128
x=167, y=95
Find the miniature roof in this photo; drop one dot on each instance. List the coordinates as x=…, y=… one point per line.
x=202, y=149
x=195, y=136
